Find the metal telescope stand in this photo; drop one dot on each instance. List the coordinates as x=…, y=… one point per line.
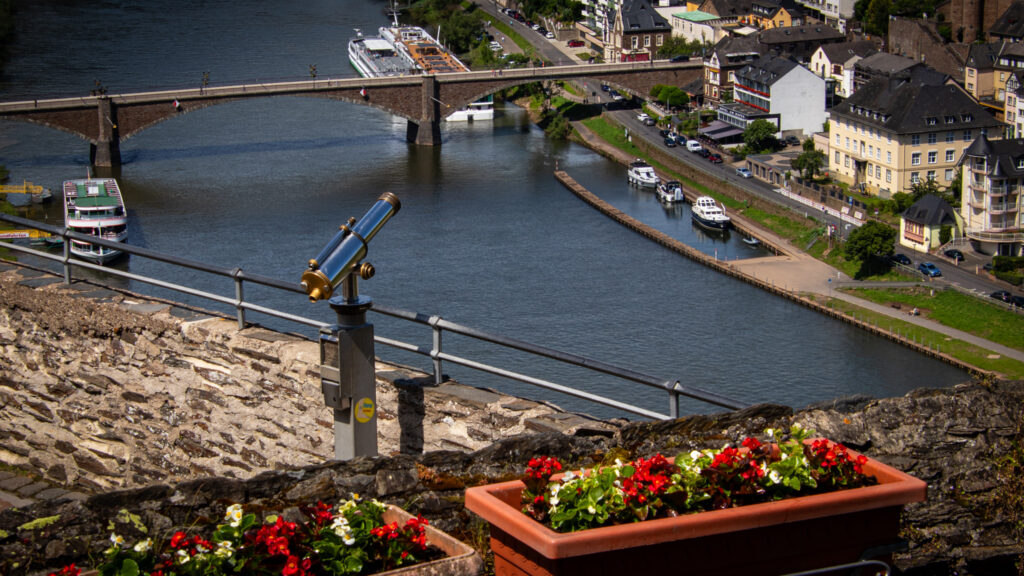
x=348, y=373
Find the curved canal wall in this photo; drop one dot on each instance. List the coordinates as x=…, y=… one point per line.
x=728, y=268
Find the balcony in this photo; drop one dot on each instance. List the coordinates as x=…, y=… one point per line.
x=1001, y=189
x=1002, y=235
x=1002, y=208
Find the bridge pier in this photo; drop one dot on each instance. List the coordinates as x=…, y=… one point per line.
x=106, y=151
x=427, y=132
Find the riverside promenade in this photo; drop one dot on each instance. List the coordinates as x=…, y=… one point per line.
x=794, y=273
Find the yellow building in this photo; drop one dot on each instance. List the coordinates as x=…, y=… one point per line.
x=895, y=132
x=987, y=70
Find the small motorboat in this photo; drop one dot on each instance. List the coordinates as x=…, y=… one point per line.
x=641, y=173
x=670, y=191
x=751, y=241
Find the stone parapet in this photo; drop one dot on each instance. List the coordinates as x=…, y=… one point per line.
x=104, y=389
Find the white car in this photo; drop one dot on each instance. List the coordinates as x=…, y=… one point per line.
x=550, y=35
x=745, y=172
x=693, y=146
x=642, y=116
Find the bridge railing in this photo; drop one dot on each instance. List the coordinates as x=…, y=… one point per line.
x=438, y=326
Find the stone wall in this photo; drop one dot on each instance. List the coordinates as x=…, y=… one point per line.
x=964, y=441
x=102, y=389
x=919, y=40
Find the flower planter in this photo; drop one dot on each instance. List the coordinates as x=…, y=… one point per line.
x=460, y=559
x=777, y=537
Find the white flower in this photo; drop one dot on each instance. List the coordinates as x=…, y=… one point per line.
x=224, y=549
x=234, y=515
x=143, y=545
x=183, y=556
x=568, y=477
x=117, y=540
x=770, y=433
x=696, y=454
x=591, y=510
x=775, y=477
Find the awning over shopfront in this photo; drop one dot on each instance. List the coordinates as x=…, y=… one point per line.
x=719, y=130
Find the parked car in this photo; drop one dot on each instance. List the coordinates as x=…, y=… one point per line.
x=549, y=35
x=704, y=152
x=715, y=158
x=901, y=259
x=954, y=254
x=744, y=172
x=679, y=59
x=649, y=122
x=792, y=141
x=605, y=88
x=987, y=267
x=1017, y=301
x=616, y=96
x=665, y=132
x=929, y=269
x=694, y=146
x=670, y=141
x=1002, y=295
x=642, y=116
x=575, y=43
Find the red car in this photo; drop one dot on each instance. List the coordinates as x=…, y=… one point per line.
x=575, y=43
x=715, y=158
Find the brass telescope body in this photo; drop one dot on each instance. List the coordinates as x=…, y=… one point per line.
x=342, y=255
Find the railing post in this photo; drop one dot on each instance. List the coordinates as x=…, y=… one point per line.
x=435, y=352
x=673, y=401
x=239, y=298
x=67, y=258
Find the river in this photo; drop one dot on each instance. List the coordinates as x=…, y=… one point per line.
x=486, y=236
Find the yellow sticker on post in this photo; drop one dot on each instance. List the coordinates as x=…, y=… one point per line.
x=364, y=410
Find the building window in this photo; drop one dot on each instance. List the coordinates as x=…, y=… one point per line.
x=846, y=160
x=837, y=156
x=949, y=175
x=915, y=140
x=647, y=41
x=932, y=120
x=634, y=42
x=878, y=153
x=837, y=139
x=931, y=138
x=871, y=150
x=967, y=136
x=933, y=156
x=970, y=72
x=950, y=136
x=888, y=157
x=950, y=119
x=950, y=155
x=968, y=117
x=931, y=175
x=888, y=175
x=659, y=39
x=847, y=142
x=915, y=159
x=915, y=177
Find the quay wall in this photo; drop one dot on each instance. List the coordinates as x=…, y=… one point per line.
x=726, y=268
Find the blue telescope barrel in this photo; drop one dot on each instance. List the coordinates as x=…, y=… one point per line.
x=346, y=249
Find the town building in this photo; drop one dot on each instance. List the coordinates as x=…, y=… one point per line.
x=639, y=31
x=896, y=131
x=988, y=68
x=836, y=61
x=1010, y=25
x=881, y=65
x=799, y=42
x=990, y=200
x=771, y=14
x=922, y=224
x=969, y=19
x=697, y=26
x=1013, y=111
x=727, y=57
x=780, y=91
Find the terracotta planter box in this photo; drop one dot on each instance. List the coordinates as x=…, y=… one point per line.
x=770, y=538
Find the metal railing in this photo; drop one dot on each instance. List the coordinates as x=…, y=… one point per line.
x=672, y=387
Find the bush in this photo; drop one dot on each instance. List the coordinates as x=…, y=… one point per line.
x=1009, y=269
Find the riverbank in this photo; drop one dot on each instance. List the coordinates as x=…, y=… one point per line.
x=796, y=275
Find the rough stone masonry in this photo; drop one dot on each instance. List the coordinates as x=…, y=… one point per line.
x=103, y=390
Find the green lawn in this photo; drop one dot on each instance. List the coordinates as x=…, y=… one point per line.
x=951, y=308
x=969, y=353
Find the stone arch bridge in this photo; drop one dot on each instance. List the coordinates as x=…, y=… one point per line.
x=106, y=120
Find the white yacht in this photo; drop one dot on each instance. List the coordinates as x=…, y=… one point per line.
x=94, y=206
x=641, y=174
x=709, y=213
x=670, y=192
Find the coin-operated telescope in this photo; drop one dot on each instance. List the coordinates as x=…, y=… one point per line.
x=347, y=371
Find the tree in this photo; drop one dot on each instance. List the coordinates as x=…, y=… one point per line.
x=809, y=162
x=876, y=18
x=673, y=96
x=760, y=136
x=872, y=240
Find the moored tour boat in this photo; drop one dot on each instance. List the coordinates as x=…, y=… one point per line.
x=94, y=206
x=709, y=214
x=640, y=173
x=670, y=192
